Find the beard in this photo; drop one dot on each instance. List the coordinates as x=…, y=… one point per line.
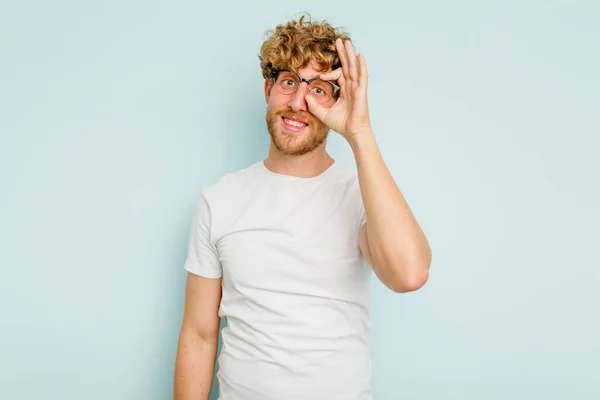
x=292, y=144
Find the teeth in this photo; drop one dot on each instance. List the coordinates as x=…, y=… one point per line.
x=294, y=123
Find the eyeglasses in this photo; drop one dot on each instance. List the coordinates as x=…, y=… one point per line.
x=288, y=82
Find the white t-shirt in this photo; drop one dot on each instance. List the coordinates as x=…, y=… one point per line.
x=295, y=283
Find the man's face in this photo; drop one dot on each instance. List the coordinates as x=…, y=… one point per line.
x=293, y=129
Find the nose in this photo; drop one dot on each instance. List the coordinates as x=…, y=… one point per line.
x=298, y=99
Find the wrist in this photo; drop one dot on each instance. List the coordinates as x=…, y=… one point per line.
x=361, y=142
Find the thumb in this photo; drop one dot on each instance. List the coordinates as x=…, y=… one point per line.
x=315, y=108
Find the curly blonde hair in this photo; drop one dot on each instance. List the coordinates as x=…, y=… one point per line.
x=294, y=45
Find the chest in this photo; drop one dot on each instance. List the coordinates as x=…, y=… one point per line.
x=294, y=239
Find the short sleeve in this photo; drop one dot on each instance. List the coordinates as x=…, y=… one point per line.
x=202, y=257
x=363, y=215
x=362, y=212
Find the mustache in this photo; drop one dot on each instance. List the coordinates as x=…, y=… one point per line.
x=311, y=119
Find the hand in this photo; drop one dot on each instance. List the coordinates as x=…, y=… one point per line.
x=349, y=115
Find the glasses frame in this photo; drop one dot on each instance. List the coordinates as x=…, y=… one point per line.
x=336, y=88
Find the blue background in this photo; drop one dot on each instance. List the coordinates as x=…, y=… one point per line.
x=115, y=114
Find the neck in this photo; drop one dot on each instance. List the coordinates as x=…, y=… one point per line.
x=305, y=166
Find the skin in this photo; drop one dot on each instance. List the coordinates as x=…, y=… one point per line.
x=198, y=339
x=391, y=241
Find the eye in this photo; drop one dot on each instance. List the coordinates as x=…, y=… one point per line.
x=288, y=82
x=318, y=91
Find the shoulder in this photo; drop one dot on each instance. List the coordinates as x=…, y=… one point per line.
x=347, y=181
x=346, y=174
x=231, y=185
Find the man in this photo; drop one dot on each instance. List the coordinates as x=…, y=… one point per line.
x=283, y=249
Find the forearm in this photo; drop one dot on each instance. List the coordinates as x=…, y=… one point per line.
x=398, y=247
x=194, y=366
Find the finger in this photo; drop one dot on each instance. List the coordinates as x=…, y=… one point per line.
x=315, y=108
x=351, y=59
x=363, y=74
x=339, y=45
x=331, y=75
x=341, y=80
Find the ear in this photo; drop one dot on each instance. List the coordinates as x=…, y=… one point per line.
x=268, y=89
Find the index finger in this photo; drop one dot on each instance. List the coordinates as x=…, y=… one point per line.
x=331, y=75
x=341, y=50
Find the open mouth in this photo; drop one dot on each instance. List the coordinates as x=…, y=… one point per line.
x=294, y=124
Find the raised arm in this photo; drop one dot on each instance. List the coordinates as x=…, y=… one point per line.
x=391, y=240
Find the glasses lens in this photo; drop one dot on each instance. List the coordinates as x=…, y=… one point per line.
x=287, y=82
x=321, y=90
